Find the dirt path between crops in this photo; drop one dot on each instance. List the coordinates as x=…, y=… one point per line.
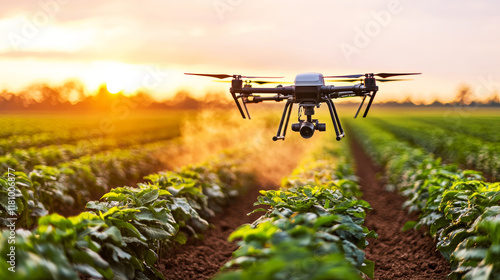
x=202, y=259
x=397, y=255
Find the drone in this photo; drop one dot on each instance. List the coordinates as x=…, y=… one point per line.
x=308, y=91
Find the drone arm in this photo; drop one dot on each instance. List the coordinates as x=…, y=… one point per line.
x=277, y=98
x=250, y=90
x=344, y=91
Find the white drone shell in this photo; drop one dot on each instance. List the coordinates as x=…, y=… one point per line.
x=309, y=79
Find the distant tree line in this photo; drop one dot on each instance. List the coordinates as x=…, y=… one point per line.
x=71, y=96
x=464, y=97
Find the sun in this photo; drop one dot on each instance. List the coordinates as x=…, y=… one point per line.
x=117, y=76
x=115, y=85
x=122, y=77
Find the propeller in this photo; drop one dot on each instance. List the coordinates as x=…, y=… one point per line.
x=224, y=76
x=256, y=82
x=381, y=75
x=361, y=80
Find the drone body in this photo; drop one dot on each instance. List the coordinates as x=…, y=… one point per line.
x=309, y=91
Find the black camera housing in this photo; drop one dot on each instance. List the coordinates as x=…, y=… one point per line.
x=307, y=128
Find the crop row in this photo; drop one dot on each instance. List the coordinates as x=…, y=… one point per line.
x=89, y=133
x=17, y=124
x=453, y=146
x=484, y=127
x=123, y=235
x=460, y=210
x=71, y=184
x=26, y=159
x=313, y=228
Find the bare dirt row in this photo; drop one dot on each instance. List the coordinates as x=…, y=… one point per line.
x=202, y=259
x=397, y=255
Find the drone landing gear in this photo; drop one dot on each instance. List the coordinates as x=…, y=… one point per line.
x=339, y=131
x=372, y=96
x=286, y=112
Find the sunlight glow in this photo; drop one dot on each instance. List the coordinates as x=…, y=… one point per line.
x=118, y=76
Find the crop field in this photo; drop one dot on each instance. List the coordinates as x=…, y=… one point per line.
x=410, y=193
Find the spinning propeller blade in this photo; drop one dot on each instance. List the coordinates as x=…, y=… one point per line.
x=256, y=82
x=392, y=80
x=261, y=77
x=387, y=75
x=224, y=76
x=381, y=75
x=218, y=76
x=361, y=80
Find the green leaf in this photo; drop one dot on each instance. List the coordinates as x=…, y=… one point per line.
x=97, y=206
x=257, y=210
x=479, y=273
x=409, y=225
x=98, y=260
x=147, y=196
x=113, y=196
x=151, y=257
x=127, y=227
x=368, y=268
x=322, y=221
x=470, y=253
x=112, y=233
x=118, y=254
x=152, y=232
x=86, y=269
x=180, y=238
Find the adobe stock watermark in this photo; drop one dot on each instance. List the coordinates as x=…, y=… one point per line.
x=224, y=6
x=11, y=211
x=484, y=89
x=32, y=25
x=363, y=36
x=153, y=77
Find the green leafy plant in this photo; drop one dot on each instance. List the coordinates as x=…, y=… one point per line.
x=312, y=228
x=453, y=203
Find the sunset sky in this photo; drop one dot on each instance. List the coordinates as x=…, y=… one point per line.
x=133, y=45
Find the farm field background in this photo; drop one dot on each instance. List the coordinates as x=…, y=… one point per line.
x=124, y=156
x=131, y=195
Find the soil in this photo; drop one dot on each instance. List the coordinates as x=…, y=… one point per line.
x=202, y=259
x=397, y=255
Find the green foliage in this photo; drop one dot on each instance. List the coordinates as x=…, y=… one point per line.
x=313, y=228
x=123, y=235
x=73, y=162
x=459, y=208
x=287, y=260
x=19, y=199
x=461, y=143
x=59, y=248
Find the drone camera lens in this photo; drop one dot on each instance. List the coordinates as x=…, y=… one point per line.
x=307, y=130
